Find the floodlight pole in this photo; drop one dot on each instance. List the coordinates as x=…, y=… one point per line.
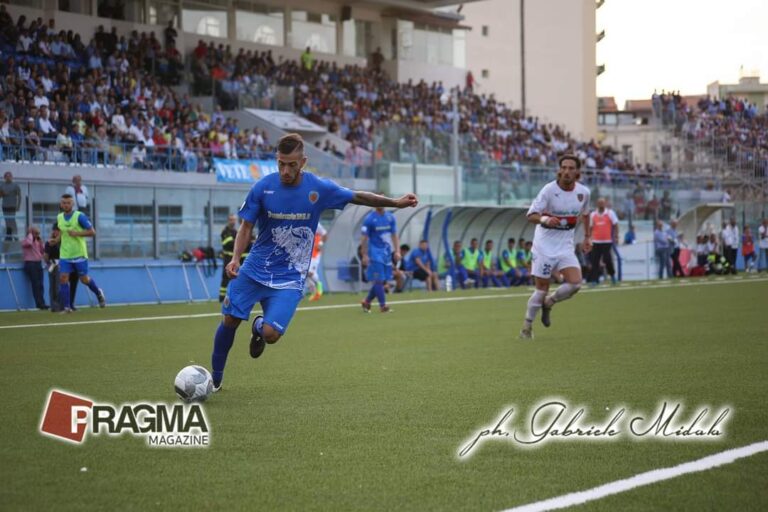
x=455, y=144
x=522, y=57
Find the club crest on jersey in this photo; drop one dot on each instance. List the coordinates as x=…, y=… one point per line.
x=580, y=197
x=314, y=196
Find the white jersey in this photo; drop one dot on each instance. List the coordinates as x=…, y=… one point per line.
x=567, y=206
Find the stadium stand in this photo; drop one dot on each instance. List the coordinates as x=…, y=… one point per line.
x=108, y=102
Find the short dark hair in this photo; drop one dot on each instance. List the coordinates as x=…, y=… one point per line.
x=405, y=248
x=473, y=240
x=569, y=157
x=290, y=143
x=510, y=240
x=67, y=196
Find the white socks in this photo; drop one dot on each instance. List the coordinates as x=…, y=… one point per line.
x=534, y=305
x=565, y=292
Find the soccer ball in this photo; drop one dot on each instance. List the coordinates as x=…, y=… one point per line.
x=193, y=384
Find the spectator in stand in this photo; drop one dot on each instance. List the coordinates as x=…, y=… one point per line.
x=731, y=243
x=355, y=157
x=80, y=193
x=307, y=60
x=33, y=249
x=377, y=59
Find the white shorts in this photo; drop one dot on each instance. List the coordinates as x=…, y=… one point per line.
x=543, y=266
x=314, y=264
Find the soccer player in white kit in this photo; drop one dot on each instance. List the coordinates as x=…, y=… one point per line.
x=556, y=211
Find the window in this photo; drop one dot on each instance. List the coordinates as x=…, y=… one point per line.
x=142, y=214
x=485, y=73
x=44, y=213
x=205, y=20
x=220, y=214
x=259, y=24
x=486, y=30
x=318, y=31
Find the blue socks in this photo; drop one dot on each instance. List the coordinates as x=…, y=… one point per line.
x=92, y=286
x=222, y=342
x=64, y=295
x=377, y=290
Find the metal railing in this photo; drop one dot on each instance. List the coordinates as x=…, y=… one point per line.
x=121, y=154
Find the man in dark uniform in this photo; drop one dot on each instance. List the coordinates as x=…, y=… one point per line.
x=228, y=235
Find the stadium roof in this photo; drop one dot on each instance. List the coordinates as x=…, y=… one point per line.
x=415, y=4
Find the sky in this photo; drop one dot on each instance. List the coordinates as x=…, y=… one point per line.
x=679, y=45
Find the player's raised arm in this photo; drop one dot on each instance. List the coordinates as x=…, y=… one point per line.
x=379, y=201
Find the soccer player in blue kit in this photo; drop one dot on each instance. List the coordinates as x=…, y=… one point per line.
x=380, y=244
x=286, y=207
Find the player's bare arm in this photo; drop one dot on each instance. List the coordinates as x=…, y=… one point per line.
x=364, y=250
x=378, y=201
x=396, y=243
x=546, y=220
x=85, y=232
x=587, y=233
x=241, y=242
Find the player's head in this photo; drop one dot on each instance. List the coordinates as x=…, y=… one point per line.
x=405, y=249
x=488, y=245
x=473, y=243
x=67, y=203
x=569, y=171
x=290, y=158
x=231, y=220
x=510, y=242
x=457, y=245
x=600, y=203
x=8, y=177
x=423, y=245
x=528, y=245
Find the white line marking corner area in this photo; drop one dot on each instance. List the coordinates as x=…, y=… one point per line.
x=397, y=302
x=647, y=478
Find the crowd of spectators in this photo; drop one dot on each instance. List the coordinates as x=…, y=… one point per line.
x=107, y=101
x=732, y=129
x=400, y=121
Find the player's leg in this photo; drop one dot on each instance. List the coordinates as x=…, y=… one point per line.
x=571, y=271
x=65, y=267
x=435, y=281
x=279, y=307
x=608, y=260
x=378, y=274
x=242, y=294
x=82, y=269
x=542, y=269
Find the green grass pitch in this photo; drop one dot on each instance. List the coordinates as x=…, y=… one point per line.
x=366, y=412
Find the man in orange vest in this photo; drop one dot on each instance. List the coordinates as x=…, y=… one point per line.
x=605, y=232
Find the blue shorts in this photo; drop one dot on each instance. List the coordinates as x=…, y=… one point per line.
x=68, y=266
x=378, y=272
x=278, y=305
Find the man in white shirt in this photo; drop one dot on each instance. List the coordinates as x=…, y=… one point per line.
x=40, y=99
x=80, y=193
x=556, y=211
x=731, y=241
x=605, y=233
x=762, y=232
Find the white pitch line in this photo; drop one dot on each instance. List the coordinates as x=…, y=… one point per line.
x=647, y=478
x=357, y=304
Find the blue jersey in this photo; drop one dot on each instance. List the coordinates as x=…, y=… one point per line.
x=379, y=229
x=287, y=218
x=425, y=257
